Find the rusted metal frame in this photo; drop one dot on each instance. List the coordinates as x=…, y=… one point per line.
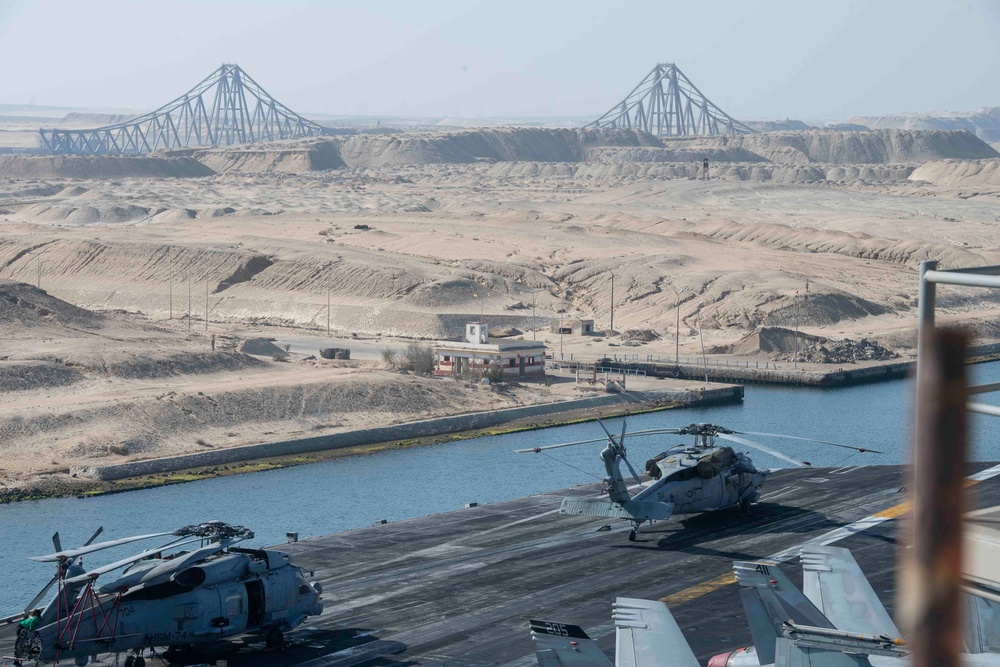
x=931, y=568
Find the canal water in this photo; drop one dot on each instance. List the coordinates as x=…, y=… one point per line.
x=348, y=493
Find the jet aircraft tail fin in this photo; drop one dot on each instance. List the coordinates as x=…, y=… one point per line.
x=833, y=581
x=564, y=645
x=633, y=510
x=647, y=634
x=769, y=600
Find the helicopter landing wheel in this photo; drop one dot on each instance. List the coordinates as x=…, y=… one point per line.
x=631, y=535
x=139, y=661
x=746, y=507
x=274, y=638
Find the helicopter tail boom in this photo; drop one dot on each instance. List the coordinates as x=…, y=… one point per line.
x=632, y=510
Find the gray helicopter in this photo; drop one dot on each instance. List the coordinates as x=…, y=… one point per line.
x=167, y=598
x=685, y=479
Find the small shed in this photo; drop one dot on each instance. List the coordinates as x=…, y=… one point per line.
x=572, y=326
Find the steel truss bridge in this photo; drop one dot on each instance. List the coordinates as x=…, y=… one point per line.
x=226, y=108
x=667, y=104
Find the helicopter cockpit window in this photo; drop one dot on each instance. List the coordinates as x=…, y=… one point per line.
x=652, y=469
x=683, y=475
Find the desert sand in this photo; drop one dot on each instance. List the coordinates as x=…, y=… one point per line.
x=410, y=235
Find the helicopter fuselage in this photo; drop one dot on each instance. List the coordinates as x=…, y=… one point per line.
x=232, y=593
x=691, y=484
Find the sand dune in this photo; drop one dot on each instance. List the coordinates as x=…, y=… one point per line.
x=959, y=173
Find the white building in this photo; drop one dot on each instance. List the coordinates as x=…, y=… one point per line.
x=518, y=358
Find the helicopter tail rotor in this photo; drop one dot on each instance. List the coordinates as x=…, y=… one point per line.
x=57, y=543
x=619, y=446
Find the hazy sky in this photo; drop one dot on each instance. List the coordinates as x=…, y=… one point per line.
x=810, y=59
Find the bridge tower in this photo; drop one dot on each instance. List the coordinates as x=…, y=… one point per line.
x=667, y=104
x=226, y=108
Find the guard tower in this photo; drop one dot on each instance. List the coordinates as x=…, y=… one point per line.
x=477, y=332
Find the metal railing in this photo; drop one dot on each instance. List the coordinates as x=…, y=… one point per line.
x=930, y=278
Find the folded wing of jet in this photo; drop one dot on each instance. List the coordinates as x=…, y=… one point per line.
x=646, y=634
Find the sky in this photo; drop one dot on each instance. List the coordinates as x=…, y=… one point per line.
x=805, y=59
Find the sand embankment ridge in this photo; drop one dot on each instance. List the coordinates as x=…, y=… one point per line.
x=78, y=166
x=614, y=148
x=959, y=173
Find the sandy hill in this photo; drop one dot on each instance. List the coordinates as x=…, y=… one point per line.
x=873, y=147
x=984, y=123
x=21, y=167
x=609, y=147
x=962, y=173
x=393, y=150
x=25, y=306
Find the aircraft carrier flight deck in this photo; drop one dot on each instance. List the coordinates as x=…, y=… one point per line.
x=458, y=588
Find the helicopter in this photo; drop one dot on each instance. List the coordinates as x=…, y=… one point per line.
x=167, y=598
x=686, y=479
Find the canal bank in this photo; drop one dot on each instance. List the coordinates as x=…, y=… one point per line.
x=96, y=480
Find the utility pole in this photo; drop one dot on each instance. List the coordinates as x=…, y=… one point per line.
x=677, y=332
x=560, y=335
x=795, y=358
x=612, y=301
x=189, y=304
x=704, y=359
x=206, y=305
x=533, y=325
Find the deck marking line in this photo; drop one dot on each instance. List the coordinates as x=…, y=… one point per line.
x=698, y=590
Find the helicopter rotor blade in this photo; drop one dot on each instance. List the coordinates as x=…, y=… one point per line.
x=100, y=529
x=562, y=444
x=41, y=594
x=655, y=431
x=104, y=569
x=635, y=475
x=821, y=442
x=73, y=553
x=610, y=437
x=764, y=448
x=631, y=434
x=56, y=542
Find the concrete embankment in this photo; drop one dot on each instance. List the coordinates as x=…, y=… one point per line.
x=411, y=430
x=750, y=372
